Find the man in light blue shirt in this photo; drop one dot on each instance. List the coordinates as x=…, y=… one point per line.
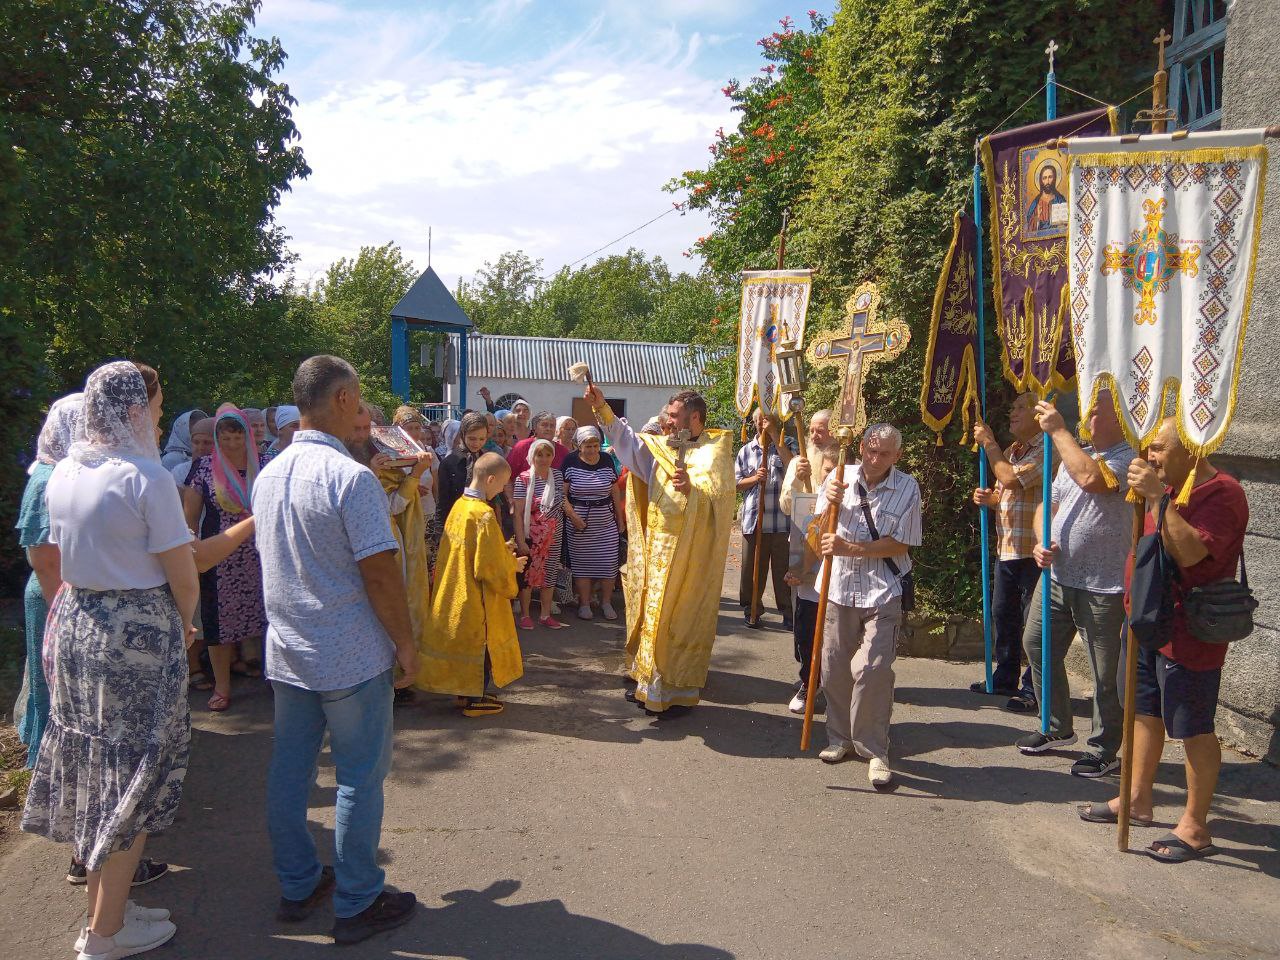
x=338, y=623
x=1090, y=538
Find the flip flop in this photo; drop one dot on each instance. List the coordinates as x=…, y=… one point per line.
x=218, y=703
x=1179, y=851
x=1101, y=813
x=199, y=681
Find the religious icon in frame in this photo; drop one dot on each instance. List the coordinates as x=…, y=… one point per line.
x=1042, y=204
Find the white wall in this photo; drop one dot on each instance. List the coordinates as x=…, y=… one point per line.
x=557, y=396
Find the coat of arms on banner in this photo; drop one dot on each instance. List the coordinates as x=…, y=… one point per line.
x=1162, y=241
x=950, y=369
x=774, y=306
x=1026, y=185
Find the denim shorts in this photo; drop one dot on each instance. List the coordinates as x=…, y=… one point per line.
x=1185, y=699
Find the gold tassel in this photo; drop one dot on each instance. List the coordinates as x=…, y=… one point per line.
x=1184, y=495
x=1109, y=476
x=1133, y=496
x=939, y=440
x=744, y=431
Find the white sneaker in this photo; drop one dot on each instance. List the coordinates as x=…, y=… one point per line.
x=555, y=609
x=133, y=938
x=607, y=610
x=584, y=612
x=797, y=702
x=132, y=914
x=836, y=752
x=878, y=773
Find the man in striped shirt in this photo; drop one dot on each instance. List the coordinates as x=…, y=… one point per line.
x=879, y=520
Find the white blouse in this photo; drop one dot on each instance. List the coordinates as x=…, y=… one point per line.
x=111, y=519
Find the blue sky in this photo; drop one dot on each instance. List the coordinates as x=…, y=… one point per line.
x=508, y=124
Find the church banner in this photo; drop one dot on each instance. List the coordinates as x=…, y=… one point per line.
x=1026, y=177
x=1163, y=235
x=950, y=370
x=774, y=306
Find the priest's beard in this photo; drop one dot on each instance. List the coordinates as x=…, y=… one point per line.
x=362, y=452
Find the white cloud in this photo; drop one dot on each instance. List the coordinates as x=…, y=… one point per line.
x=412, y=120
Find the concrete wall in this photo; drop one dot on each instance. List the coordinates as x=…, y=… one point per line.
x=1250, y=705
x=558, y=396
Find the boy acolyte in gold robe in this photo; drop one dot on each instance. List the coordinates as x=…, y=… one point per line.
x=471, y=605
x=676, y=553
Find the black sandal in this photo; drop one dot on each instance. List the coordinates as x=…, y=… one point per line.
x=1101, y=813
x=1178, y=850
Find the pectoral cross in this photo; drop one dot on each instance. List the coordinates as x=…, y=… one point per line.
x=867, y=341
x=682, y=441
x=1051, y=49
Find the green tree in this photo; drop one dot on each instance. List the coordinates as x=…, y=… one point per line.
x=499, y=297
x=353, y=303
x=144, y=147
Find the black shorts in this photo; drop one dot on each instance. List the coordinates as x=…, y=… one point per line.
x=1185, y=699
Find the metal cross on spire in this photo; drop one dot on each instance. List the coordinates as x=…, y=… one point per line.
x=1051, y=49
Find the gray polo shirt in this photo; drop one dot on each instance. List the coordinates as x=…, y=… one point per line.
x=318, y=513
x=1093, y=531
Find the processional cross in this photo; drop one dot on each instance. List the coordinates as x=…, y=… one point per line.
x=682, y=441
x=868, y=340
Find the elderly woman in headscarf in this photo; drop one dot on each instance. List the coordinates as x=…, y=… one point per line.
x=539, y=501
x=178, y=447
x=566, y=433
x=56, y=437
x=594, y=536
x=448, y=438
x=114, y=755
x=523, y=412
x=288, y=419
x=217, y=496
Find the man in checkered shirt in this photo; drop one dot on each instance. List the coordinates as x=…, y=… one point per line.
x=1019, y=474
x=751, y=473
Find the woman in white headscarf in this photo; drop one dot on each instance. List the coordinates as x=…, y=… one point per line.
x=566, y=433
x=448, y=438
x=114, y=755
x=55, y=440
x=539, y=503
x=178, y=447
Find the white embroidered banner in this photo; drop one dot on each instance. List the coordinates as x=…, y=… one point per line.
x=1162, y=237
x=774, y=305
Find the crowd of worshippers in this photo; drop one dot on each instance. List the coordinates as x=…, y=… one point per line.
x=154, y=574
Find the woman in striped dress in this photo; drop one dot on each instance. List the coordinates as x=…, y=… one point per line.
x=593, y=535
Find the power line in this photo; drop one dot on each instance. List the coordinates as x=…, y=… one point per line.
x=669, y=210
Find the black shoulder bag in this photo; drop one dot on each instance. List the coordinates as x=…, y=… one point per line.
x=1151, y=599
x=1222, y=611
x=905, y=580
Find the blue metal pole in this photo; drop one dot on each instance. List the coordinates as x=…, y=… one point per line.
x=984, y=514
x=1046, y=485
x=400, y=358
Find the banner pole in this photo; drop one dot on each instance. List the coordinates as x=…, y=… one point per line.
x=984, y=513
x=1046, y=483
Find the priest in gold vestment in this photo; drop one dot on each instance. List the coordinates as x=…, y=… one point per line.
x=678, y=522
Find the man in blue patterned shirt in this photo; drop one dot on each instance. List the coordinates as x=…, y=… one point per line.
x=338, y=624
x=750, y=473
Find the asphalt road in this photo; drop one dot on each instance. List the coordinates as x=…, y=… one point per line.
x=573, y=826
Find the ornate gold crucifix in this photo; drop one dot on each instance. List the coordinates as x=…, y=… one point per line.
x=1150, y=260
x=867, y=340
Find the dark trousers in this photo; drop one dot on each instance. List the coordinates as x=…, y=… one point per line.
x=1015, y=582
x=806, y=623
x=775, y=559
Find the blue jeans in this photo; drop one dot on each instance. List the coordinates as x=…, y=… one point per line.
x=359, y=722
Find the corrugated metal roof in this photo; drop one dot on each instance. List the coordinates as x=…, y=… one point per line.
x=611, y=361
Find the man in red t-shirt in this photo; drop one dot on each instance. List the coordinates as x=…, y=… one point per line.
x=1177, y=688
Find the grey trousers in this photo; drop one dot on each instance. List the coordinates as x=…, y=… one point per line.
x=859, y=645
x=1099, y=619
